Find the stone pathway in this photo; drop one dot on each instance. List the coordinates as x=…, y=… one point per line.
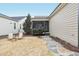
x=51, y=44
x=55, y=47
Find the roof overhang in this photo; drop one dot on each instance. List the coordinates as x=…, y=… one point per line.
x=57, y=9
x=39, y=18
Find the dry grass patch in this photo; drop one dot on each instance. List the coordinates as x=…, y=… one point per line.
x=26, y=46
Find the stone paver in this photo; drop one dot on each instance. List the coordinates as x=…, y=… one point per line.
x=51, y=44
x=57, y=48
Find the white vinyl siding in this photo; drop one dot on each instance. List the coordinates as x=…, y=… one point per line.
x=7, y=26
x=64, y=24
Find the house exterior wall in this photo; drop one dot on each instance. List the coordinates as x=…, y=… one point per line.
x=20, y=24
x=64, y=24
x=7, y=26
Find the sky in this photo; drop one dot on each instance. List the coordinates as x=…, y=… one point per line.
x=22, y=9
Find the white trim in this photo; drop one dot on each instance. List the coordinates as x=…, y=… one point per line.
x=60, y=6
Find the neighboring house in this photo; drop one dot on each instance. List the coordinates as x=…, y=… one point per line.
x=11, y=24
x=15, y=24
x=20, y=20
x=7, y=25
x=40, y=23
x=63, y=23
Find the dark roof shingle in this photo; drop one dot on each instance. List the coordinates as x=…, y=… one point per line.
x=4, y=16
x=17, y=18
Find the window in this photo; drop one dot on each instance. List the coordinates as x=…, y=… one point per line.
x=20, y=26
x=14, y=25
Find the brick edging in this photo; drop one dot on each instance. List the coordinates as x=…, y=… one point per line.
x=65, y=44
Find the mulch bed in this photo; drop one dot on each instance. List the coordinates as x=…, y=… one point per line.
x=4, y=36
